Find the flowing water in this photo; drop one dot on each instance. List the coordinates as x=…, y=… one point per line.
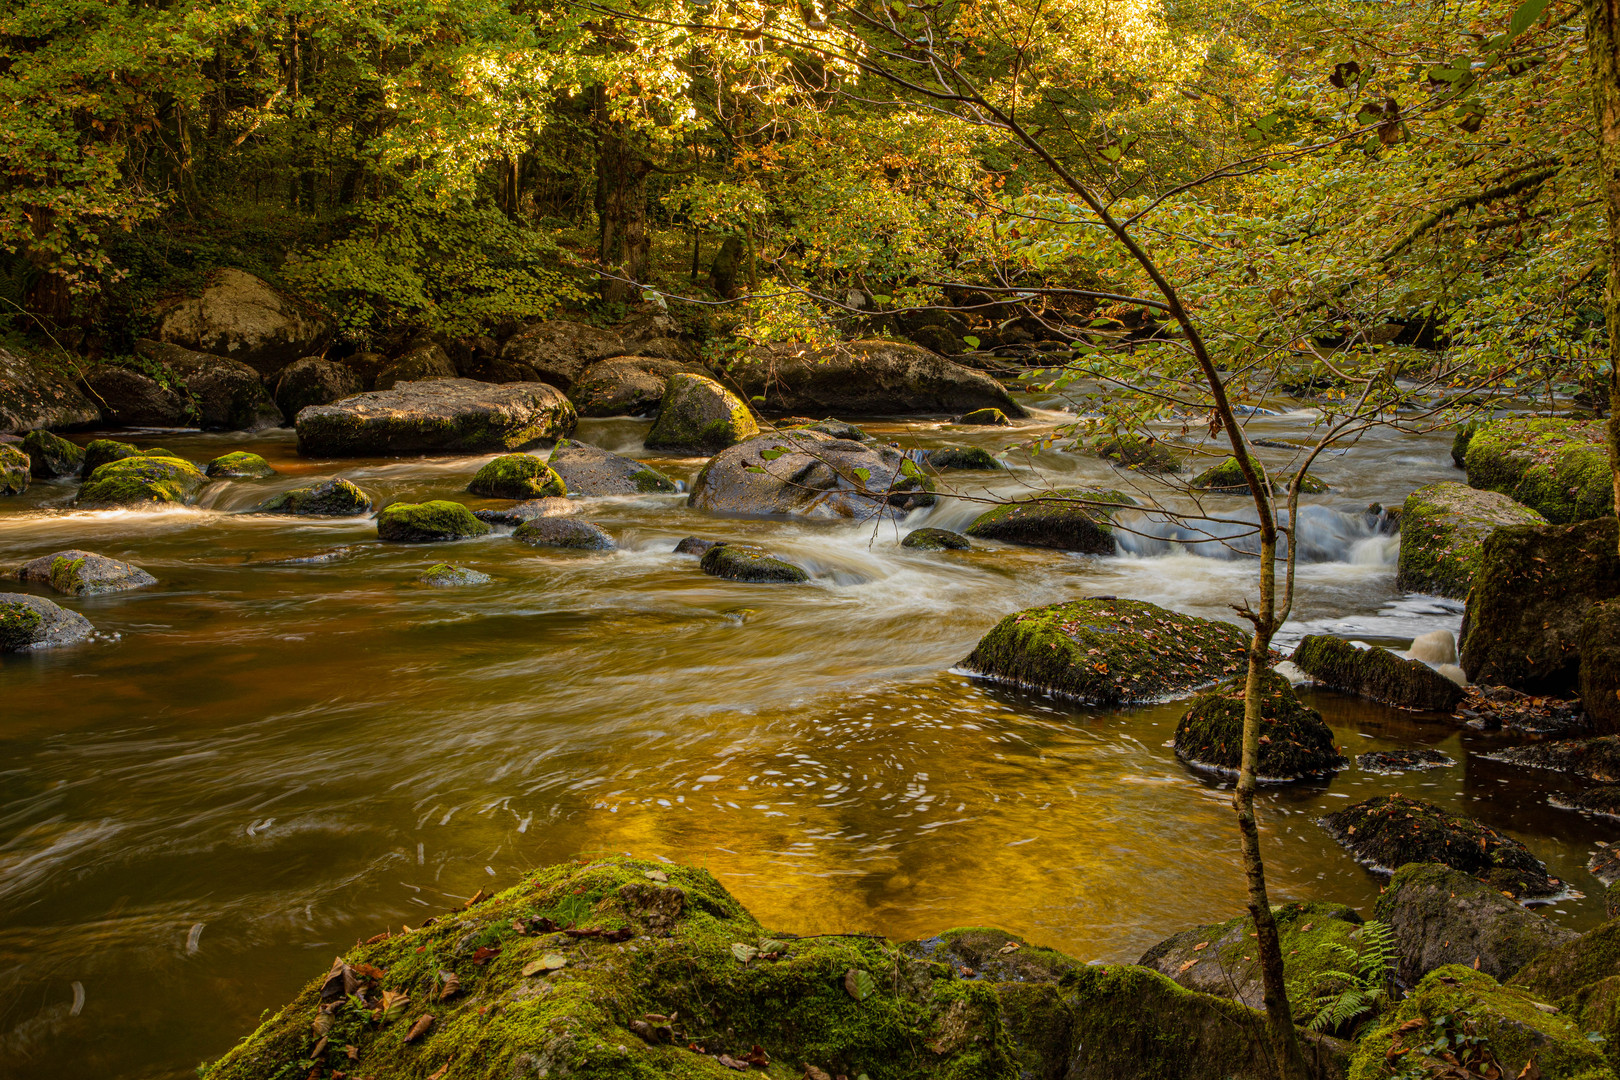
x=287, y=745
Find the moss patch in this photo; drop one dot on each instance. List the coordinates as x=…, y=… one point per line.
x=142, y=479
x=98, y=452
x=746, y=562
x=935, y=540
x=1139, y=453
x=417, y=523
x=1443, y=531
x=239, y=465
x=1557, y=467
x=699, y=416
x=517, y=476
x=19, y=626
x=15, y=470
x=1227, y=479
x=985, y=418
x=1295, y=743
x=329, y=498
x=963, y=457
x=1377, y=674
x=1060, y=519
x=51, y=456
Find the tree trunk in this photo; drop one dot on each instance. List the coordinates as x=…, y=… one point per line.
x=1603, y=49
x=621, y=208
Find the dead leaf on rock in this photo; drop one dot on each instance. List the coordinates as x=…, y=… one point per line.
x=1531, y=1071
x=813, y=1073
x=366, y=971
x=1201, y=946
x=546, y=964
x=655, y=875
x=732, y=1063
x=440, y=1074
x=452, y=985
x=1010, y=947
x=340, y=982
x=393, y=1003
x=484, y=954
x=475, y=898
x=1187, y=964
x=324, y=1022
x=419, y=1028
x=757, y=1057
x=744, y=952
x=650, y=1033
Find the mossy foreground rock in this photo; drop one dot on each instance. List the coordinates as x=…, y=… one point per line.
x=33, y=622
x=1377, y=674
x=642, y=971
x=517, y=476
x=1491, y=1029
x=1556, y=467
x=1389, y=831
x=699, y=416
x=588, y=470
x=808, y=474
x=1295, y=743
x=15, y=470
x=1579, y=960
x=1599, y=644
x=329, y=498
x=1058, y=519
x=239, y=465
x=746, y=562
x=1443, y=531
x=420, y=523
x=1227, y=479
x=451, y=416
x=1108, y=652
x=51, y=456
x=84, y=573
x=143, y=479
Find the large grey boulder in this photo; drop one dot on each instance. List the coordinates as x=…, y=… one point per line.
x=33, y=622
x=588, y=470
x=84, y=573
x=35, y=395
x=424, y=362
x=863, y=378
x=626, y=385
x=555, y=352
x=441, y=416
x=809, y=474
x=1443, y=531
x=314, y=381
x=242, y=317
x=136, y=399
x=699, y=416
x=221, y=394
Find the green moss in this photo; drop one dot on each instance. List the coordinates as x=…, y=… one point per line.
x=985, y=418
x=651, y=480
x=98, y=452
x=142, y=479
x=1059, y=519
x=746, y=562
x=1459, y=443
x=1557, y=467
x=65, y=575
x=517, y=476
x=1294, y=740
x=15, y=470
x=51, y=455
x=1443, y=531
x=1140, y=453
x=1558, y=973
x=698, y=415
x=329, y=498
x=239, y=465
x=428, y=522
x=1227, y=479
x=1377, y=674
x=963, y=457
x=936, y=540
x=19, y=626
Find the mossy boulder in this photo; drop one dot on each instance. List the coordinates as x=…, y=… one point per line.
x=142, y=479
x=1295, y=743
x=446, y=576
x=33, y=622
x=98, y=452
x=1591, y=759
x=809, y=474
x=1105, y=651
x=1067, y=520
x=568, y=533
x=936, y=540
x=15, y=470
x=747, y=562
x=420, y=523
x=1557, y=467
x=1494, y=1030
x=985, y=418
x=1599, y=646
x=588, y=470
x=1376, y=674
x=329, y=498
x=1577, y=961
x=699, y=416
x=1140, y=453
x=84, y=573
x=625, y=385
x=972, y=458
x=1460, y=441
x=51, y=456
x=1389, y=831
x=1443, y=916
x=1534, y=587
x=517, y=476
x=1226, y=478
x=695, y=545
x=239, y=465
x=1222, y=959
x=1443, y=531
x=439, y=416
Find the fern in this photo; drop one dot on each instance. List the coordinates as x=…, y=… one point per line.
x=1356, y=984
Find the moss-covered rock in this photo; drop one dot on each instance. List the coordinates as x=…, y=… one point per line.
x=143, y=479
x=936, y=540
x=569, y=533
x=1059, y=519
x=1599, y=645
x=219, y=394
x=418, y=523
x=1534, y=587
x=1226, y=478
x=588, y=470
x=1140, y=453
x=1557, y=467
x=1377, y=674
x=962, y=457
x=1389, y=831
x=985, y=418
x=446, y=576
x=1443, y=531
x=15, y=470
x=517, y=476
x=1579, y=961
x=51, y=456
x=747, y=562
x=1295, y=743
x=1460, y=441
x=329, y=498
x=696, y=545
x=625, y=385
x=806, y=473
x=239, y=465
x=699, y=416
x=1109, y=652
x=33, y=622
x=1443, y=916
x=98, y=452
x=1495, y=1030
x=84, y=573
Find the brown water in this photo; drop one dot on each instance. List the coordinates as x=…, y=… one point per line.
x=260, y=761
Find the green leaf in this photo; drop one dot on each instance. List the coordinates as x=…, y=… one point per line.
x=1528, y=13
x=772, y=454
x=755, y=468
x=743, y=952
x=858, y=984
x=970, y=341
x=863, y=475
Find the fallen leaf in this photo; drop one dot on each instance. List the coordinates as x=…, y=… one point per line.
x=813, y=1073
x=320, y=1048
x=649, y=1033
x=732, y=1063
x=384, y=936
x=743, y=952
x=475, y=898
x=393, y=1003
x=1531, y=1071
x=366, y=971
x=352, y=1053
x=655, y=875
x=758, y=1057
x=419, y=1028
x=547, y=963
x=1411, y=1025
x=1010, y=947
x=440, y=1074
x=1188, y=964
x=452, y=985
x=324, y=1022
x=1201, y=946
x=340, y=982
x=858, y=984
x=484, y=954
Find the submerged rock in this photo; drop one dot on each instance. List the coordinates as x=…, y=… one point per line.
x=1599, y=646
x=98, y=452
x=1058, y=519
x=1592, y=759
x=517, y=476
x=1557, y=467
x=1399, y=761
x=696, y=545
x=84, y=573
x=626, y=385
x=446, y=576
x=51, y=456
x=239, y=465
x=1226, y=478
x=550, y=506
x=962, y=457
x=699, y=416
x=1389, y=831
x=455, y=416
x=240, y=316
x=15, y=470
x=33, y=622
x=809, y=474
x=984, y=418
x=748, y=562
x=329, y=498
x=1139, y=453
x=587, y=470
x=1109, y=652
x=565, y=533
x=1295, y=743
x=864, y=378
x=1443, y=531
x=936, y=540
x=142, y=479
x=1376, y=674
x=419, y=523
x=1443, y=916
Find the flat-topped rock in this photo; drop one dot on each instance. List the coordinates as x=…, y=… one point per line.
x=1555, y=466
x=864, y=378
x=588, y=470
x=84, y=573
x=1443, y=531
x=808, y=474
x=439, y=416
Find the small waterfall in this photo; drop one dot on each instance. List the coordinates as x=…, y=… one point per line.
x=1326, y=535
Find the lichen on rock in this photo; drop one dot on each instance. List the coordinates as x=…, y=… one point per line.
x=33, y=622
x=589, y=470
x=447, y=576
x=699, y=416
x=83, y=573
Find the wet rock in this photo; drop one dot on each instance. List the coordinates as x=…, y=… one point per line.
x=962, y=457
x=1599, y=646
x=1139, y=453
x=984, y=418
x=1295, y=743
x=142, y=479
x=100, y=451
x=1602, y=801
x=314, y=381
x=1460, y=441
x=1532, y=592
x=1580, y=960
x=239, y=465
x=1443, y=531
x=429, y=522
x=1442, y=916
x=1591, y=759
x=587, y=470
x=551, y=506
x=1227, y=479
x=1490, y=708
x=626, y=385
x=1435, y=647
x=1376, y=674
x=329, y=498
x=1058, y=519
x=838, y=429
x=1389, y=762
x=809, y=474
x=456, y=416
x=366, y=366
x=863, y=378
x=446, y=576
x=748, y=562
x=136, y=399
x=696, y=545
x=565, y=533
x=239, y=316
x=936, y=540
x=517, y=476
x=220, y=394
x=84, y=573
x=555, y=352
x=15, y=470
x=1389, y=831
x=35, y=394
x=33, y=622
x=1109, y=651
x=422, y=364
x=699, y=416
x=51, y=456
x=1557, y=467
